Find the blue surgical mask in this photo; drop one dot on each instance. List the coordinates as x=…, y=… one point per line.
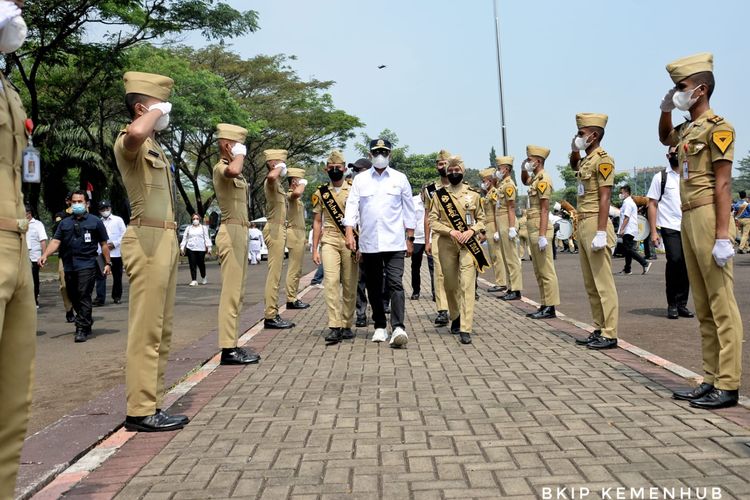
x=78, y=208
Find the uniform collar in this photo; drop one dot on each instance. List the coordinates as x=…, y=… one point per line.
x=709, y=113
x=386, y=172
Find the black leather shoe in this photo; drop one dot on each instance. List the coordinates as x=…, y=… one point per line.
x=80, y=336
x=347, y=333
x=528, y=315
x=717, y=398
x=456, y=326
x=592, y=337
x=97, y=303
x=361, y=322
x=277, y=323
x=334, y=336
x=238, y=356
x=414, y=296
x=158, y=422
x=442, y=318
x=70, y=316
x=694, y=393
x=181, y=419
x=512, y=295
x=497, y=288
x=602, y=343
x=672, y=312
x=684, y=312
x=465, y=338
x=297, y=304
x=116, y=301
x=546, y=313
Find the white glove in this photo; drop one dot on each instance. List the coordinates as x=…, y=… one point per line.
x=282, y=166
x=8, y=11
x=164, y=107
x=666, y=104
x=542, y=243
x=496, y=236
x=302, y=182
x=512, y=233
x=599, y=241
x=239, y=150
x=723, y=252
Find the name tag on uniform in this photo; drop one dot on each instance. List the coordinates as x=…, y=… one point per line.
x=469, y=220
x=581, y=189
x=87, y=237
x=685, y=169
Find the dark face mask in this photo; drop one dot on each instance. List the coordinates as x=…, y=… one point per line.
x=455, y=178
x=442, y=172
x=335, y=174
x=672, y=160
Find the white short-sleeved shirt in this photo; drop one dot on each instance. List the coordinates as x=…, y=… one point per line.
x=419, y=211
x=669, y=211
x=34, y=237
x=629, y=210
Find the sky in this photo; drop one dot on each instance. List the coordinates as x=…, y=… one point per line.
x=440, y=90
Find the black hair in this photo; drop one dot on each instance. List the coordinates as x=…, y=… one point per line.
x=705, y=78
x=81, y=192
x=625, y=188
x=743, y=194
x=131, y=100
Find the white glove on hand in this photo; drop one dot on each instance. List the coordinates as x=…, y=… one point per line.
x=282, y=166
x=496, y=236
x=164, y=107
x=512, y=233
x=600, y=241
x=302, y=182
x=723, y=252
x=239, y=150
x=542, y=243
x=8, y=11
x=666, y=104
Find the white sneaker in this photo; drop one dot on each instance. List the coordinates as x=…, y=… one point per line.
x=204, y=282
x=399, y=338
x=193, y=283
x=380, y=335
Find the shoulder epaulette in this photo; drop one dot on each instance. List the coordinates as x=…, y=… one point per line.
x=349, y=181
x=716, y=119
x=602, y=153
x=475, y=190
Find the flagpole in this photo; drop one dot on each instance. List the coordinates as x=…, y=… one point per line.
x=500, y=80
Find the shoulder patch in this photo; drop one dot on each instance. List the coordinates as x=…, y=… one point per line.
x=542, y=186
x=509, y=190
x=723, y=139
x=605, y=170
x=716, y=119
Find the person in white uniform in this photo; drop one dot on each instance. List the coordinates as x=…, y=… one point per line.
x=256, y=243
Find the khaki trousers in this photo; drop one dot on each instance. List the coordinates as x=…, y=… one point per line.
x=745, y=232
x=63, y=289
x=544, y=267
x=441, y=301
x=150, y=258
x=596, y=267
x=496, y=255
x=295, y=242
x=231, y=241
x=511, y=258
x=17, y=350
x=713, y=294
x=275, y=237
x=459, y=275
x=340, y=277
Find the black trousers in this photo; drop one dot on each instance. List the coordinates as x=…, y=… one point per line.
x=678, y=286
x=80, y=284
x=362, y=291
x=35, y=275
x=101, y=282
x=416, y=267
x=631, y=253
x=385, y=268
x=196, y=259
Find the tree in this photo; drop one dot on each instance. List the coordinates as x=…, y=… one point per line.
x=742, y=181
x=493, y=155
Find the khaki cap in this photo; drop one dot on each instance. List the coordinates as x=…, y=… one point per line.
x=295, y=172
x=336, y=156
x=591, y=120
x=688, y=66
x=231, y=132
x=443, y=155
x=537, y=151
x=457, y=161
x=488, y=172
x=275, y=154
x=504, y=160
x=157, y=86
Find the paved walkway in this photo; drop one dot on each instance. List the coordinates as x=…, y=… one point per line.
x=520, y=411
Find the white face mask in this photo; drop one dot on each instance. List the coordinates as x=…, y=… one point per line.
x=621, y=196
x=105, y=213
x=684, y=100
x=499, y=175
x=162, y=123
x=380, y=162
x=529, y=166
x=581, y=143
x=196, y=222
x=13, y=35
x=485, y=186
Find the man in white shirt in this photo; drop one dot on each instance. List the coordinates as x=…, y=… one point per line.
x=256, y=243
x=381, y=201
x=628, y=230
x=419, y=244
x=115, y=230
x=665, y=217
x=36, y=241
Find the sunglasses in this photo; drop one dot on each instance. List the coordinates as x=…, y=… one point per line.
x=384, y=152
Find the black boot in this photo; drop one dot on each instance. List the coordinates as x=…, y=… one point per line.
x=717, y=398
x=442, y=318
x=684, y=312
x=591, y=338
x=361, y=321
x=238, y=356
x=546, y=312
x=347, y=333
x=529, y=315
x=694, y=393
x=456, y=326
x=277, y=323
x=80, y=335
x=512, y=295
x=297, y=304
x=602, y=343
x=182, y=419
x=465, y=338
x=158, y=422
x=334, y=336
x=672, y=312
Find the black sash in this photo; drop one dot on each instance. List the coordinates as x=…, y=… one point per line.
x=431, y=190
x=458, y=223
x=334, y=210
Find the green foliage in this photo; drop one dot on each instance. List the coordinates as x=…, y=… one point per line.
x=742, y=181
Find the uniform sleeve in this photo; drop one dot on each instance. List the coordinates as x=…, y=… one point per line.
x=673, y=139
x=721, y=142
x=605, y=171
x=544, y=187
x=317, y=207
x=654, y=191
x=480, y=222
x=42, y=232
x=58, y=232
x=509, y=191
x=122, y=151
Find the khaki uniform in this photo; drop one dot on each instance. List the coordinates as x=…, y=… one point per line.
x=523, y=237
x=340, y=269
x=489, y=203
x=295, y=243
x=709, y=139
x=594, y=171
x=544, y=268
x=457, y=263
x=150, y=258
x=441, y=301
x=274, y=234
x=17, y=306
x=507, y=193
x=232, y=242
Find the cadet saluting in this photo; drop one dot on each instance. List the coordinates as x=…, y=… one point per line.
x=457, y=216
x=705, y=148
x=490, y=204
x=507, y=227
